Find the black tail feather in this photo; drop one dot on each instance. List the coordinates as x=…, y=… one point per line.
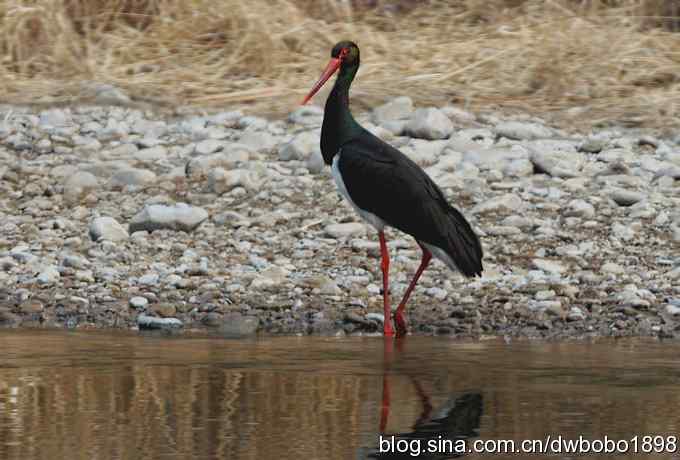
x=462, y=244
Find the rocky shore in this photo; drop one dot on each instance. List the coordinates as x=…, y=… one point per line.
x=113, y=217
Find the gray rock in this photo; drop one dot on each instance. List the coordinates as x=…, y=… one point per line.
x=221, y=181
x=300, y=147
x=557, y=163
x=152, y=154
x=269, y=277
x=575, y=314
x=395, y=127
x=522, y=131
x=49, y=275
x=78, y=185
x=208, y=146
x=613, y=268
x=672, y=310
x=151, y=322
x=150, y=129
x=623, y=232
x=593, y=145
x=507, y=202
x=131, y=177
x=107, y=228
x=236, y=325
x=149, y=279
x=237, y=154
x=624, y=197
x=549, y=266
x=458, y=115
x=229, y=118
x=429, y=124
x=53, y=118
x=315, y=163
x=423, y=152
x=580, y=208
x=258, y=141
x=74, y=261
x=138, y=302
x=307, y=115
x=377, y=317
x=397, y=109
x=180, y=217
x=350, y=229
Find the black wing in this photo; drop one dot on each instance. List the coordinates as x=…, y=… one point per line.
x=385, y=182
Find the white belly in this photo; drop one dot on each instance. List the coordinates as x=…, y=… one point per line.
x=371, y=218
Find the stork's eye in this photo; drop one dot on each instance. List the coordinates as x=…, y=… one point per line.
x=344, y=52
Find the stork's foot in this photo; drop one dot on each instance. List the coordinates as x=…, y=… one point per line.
x=401, y=324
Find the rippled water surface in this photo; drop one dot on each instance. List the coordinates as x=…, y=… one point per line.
x=100, y=396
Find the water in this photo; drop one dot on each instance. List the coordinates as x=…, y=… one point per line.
x=100, y=396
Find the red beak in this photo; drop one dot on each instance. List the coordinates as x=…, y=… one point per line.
x=333, y=65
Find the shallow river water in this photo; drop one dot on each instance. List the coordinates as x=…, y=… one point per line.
x=109, y=396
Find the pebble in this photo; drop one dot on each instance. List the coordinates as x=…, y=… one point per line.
x=179, y=217
x=307, y=115
x=429, y=124
x=506, y=202
x=570, y=224
x=625, y=197
x=208, y=146
x=348, y=230
x=399, y=108
x=131, y=176
x=107, y=228
x=139, y=302
x=151, y=322
x=548, y=266
x=49, y=275
x=522, y=131
x=300, y=147
x=613, y=268
x=236, y=325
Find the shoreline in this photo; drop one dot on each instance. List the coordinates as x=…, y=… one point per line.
x=579, y=231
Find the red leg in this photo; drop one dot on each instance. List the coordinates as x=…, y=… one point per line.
x=385, y=265
x=388, y=356
x=385, y=408
x=399, y=317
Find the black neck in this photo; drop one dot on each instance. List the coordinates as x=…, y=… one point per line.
x=339, y=125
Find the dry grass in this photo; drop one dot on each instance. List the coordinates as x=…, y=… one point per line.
x=583, y=61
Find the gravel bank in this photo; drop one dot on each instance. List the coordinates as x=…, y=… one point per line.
x=116, y=217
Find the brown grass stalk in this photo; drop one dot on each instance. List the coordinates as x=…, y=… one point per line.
x=579, y=60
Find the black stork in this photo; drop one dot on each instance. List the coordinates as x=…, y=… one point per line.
x=386, y=188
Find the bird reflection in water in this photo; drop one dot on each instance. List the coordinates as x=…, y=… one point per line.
x=438, y=432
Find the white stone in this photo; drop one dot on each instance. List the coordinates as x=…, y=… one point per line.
x=78, y=185
x=399, y=108
x=350, y=229
x=49, y=275
x=107, y=228
x=549, y=266
x=300, y=147
x=132, y=176
x=522, y=131
x=208, y=146
x=221, y=181
x=138, y=302
x=180, y=217
x=430, y=124
x=507, y=202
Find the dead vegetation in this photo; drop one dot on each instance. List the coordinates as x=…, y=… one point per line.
x=596, y=60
